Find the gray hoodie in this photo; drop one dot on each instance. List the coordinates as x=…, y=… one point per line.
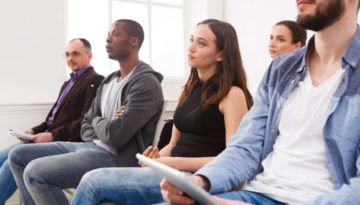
x=131, y=133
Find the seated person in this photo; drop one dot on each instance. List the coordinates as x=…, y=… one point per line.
x=286, y=36
x=210, y=108
x=300, y=143
x=120, y=123
x=63, y=121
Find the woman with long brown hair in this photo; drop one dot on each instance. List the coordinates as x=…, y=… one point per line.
x=210, y=108
x=286, y=36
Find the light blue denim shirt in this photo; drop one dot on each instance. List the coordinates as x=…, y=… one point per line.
x=255, y=138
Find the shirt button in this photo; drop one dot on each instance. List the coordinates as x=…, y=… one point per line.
x=292, y=82
x=273, y=131
x=278, y=106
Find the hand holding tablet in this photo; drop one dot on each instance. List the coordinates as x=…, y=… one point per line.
x=180, y=180
x=20, y=135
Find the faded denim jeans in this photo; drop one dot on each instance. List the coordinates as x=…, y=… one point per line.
x=42, y=170
x=246, y=196
x=119, y=186
x=7, y=181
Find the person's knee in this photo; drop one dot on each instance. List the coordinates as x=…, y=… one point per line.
x=16, y=154
x=91, y=176
x=97, y=178
x=90, y=179
x=37, y=174
x=31, y=173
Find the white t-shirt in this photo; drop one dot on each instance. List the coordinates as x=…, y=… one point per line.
x=296, y=170
x=111, y=102
x=111, y=96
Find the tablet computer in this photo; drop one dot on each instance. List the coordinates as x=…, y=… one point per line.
x=20, y=135
x=180, y=180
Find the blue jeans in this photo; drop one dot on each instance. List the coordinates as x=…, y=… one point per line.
x=119, y=186
x=246, y=196
x=42, y=170
x=249, y=197
x=7, y=181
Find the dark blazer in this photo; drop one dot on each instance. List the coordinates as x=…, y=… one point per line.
x=66, y=124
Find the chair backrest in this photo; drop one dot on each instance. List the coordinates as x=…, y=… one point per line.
x=165, y=134
x=159, y=125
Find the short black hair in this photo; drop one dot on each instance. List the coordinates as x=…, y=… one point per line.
x=298, y=33
x=85, y=43
x=133, y=29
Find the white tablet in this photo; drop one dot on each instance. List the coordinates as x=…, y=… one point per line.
x=20, y=135
x=180, y=180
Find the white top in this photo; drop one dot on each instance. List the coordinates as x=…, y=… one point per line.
x=110, y=103
x=296, y=170
x=111, y=96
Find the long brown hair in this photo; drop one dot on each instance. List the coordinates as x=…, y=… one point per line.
x=229, y=72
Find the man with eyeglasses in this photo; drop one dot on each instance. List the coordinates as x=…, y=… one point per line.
x=63, y=121
x=120, y=123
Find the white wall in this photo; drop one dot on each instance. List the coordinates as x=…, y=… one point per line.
x=32, y=43
x=20, y=117
x=31, y=64
x=253, y=20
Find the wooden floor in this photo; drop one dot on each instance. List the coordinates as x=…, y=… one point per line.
x=14, y=200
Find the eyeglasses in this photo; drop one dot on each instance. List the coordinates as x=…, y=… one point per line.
x=72, y=54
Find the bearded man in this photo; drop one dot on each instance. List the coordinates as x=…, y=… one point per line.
x=300, y=142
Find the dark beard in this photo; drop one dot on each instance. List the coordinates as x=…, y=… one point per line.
x=324, y=17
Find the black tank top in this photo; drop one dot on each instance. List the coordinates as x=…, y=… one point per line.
x=202, y=131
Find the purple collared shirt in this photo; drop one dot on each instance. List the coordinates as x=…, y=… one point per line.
x=73, y=76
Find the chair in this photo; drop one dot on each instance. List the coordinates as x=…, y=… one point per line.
x=165, y=134
x=159, y=125
x=163, y=128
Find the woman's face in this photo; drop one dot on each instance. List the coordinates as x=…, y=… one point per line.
x=281, y=41
x=202, y=51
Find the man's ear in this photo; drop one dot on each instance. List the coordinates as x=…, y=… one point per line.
x=134, y=42
x=89, y=55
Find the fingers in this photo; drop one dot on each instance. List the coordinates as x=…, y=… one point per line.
x=221, y=200
x=147, y=151
x=120, y=112
x=29, y=131
x=24, y=140
x=174, y=195
x=230, y=202
x=166, y=186
x=152, y=152
x=142, y=164
x=36, y=139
